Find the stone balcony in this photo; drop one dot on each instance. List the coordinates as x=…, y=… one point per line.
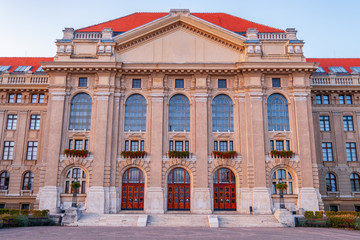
x=335, y=80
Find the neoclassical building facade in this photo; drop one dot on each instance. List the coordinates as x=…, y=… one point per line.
x=157, y=112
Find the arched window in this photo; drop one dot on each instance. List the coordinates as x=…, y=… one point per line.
x=78, y=175
x=80, y=112
x=179, y=114
x=355, y=182
x=135, y=113
x=28, y=181
x=331, y=183
x=178, y=175
x=224, y=175
x=278, y=115
x=133, y=175
x=222, y=114
x=4, y=180
x=284, y=176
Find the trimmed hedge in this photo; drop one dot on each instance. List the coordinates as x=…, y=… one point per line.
x=20, y=218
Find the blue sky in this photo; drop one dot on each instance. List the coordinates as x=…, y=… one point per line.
x=329, y=28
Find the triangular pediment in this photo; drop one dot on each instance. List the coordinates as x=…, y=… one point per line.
x=179, y=39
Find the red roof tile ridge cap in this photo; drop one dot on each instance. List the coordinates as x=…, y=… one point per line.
x=105, y=21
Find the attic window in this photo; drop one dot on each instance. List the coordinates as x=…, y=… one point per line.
x=320, y=70
x=23, y=68
x=40, y=69
x=355, y=69
x=4, y=68
x=337, y=69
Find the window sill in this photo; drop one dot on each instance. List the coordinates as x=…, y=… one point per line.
x=26, y=192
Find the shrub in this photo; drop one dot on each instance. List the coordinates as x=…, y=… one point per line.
x=353, y=213
x=330, y=213
x=40, y=213
x=21, y=221
x=228, y=154
x=14, y=212
x=178, y=154
x=319, y=214
x=309, y=215
x=4, y=210
x=357, y=224
x=45, y=213
x=25, y=212
x=342, y=221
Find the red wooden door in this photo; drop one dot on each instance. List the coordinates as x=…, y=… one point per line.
x=224, y=190
x=178, y=190
x=133, y=190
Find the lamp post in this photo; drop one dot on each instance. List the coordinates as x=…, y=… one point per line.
x=282, y=204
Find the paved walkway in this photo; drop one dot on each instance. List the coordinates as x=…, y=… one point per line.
x=158, y=233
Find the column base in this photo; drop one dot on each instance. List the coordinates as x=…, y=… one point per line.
x=261, y=201
x=154, y=201
x=95, y=200
x=201, y=201
x=48, y=198
x=112, y=200
x=284, y=217
x=243, y=200
x=308, y=199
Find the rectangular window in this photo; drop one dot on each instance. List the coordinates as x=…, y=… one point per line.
x=11, y=122
x=82, y=82
x=215, y=145
x=326, y=99
x=318, y=99
x=334, y=208
x=8, y=150
x=11, y=98
x=348, y=99
x=142, y=145
x=79, y=144
x=186, y=145
x=34, y=98
x=287, y=145
x=41, y=98
x=276, y=82
x=25, y=206
x=171, y=146
x=35, y=122
x=32, y=151
x=351, y=152
x=341, y=99
x=18, y=98
x=179, y=83
x=221, y=83
x=136, y=83
x=223, y=146
x=271, y=145
x=231, y=146
x=327, y=151
x=127, y=145
x=279, y=145
x=134, y=146
x=86, y=144
x=178, y=146
x=2, y=205
x=324, y=123
x=348, y=123
x=71, y=144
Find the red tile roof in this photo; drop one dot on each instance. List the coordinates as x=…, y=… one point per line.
x=14, y=62
x=325, y=63
x=223, y=20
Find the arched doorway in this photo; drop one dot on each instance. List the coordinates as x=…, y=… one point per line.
x=178, y=190
x=133, y=189
x=224, y=190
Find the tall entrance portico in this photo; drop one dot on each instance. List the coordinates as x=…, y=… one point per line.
x=178, y=190
x=224, y=190
x=133, y=189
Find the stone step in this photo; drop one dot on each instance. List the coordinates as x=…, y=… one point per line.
x=111, y=219
x=178, y=220
x=248, y=221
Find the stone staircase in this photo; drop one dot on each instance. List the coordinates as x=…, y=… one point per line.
x=248, y=221
x=178, y=220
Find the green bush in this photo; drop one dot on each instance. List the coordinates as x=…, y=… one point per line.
x=40, y=213
x=309, y=215
x=21, y=221
x=357, y=224
x=4, y=211
x=353, y=213
x=14, y=212
x=319, y=214
x=330, y=213
x=25, y=212
x=342, y=221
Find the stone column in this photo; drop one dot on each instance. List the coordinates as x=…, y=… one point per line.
x=154, y=192
x=201, y=191
x=308, y=197
x=96, y=194
x=48, y=195
x=261, y=201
